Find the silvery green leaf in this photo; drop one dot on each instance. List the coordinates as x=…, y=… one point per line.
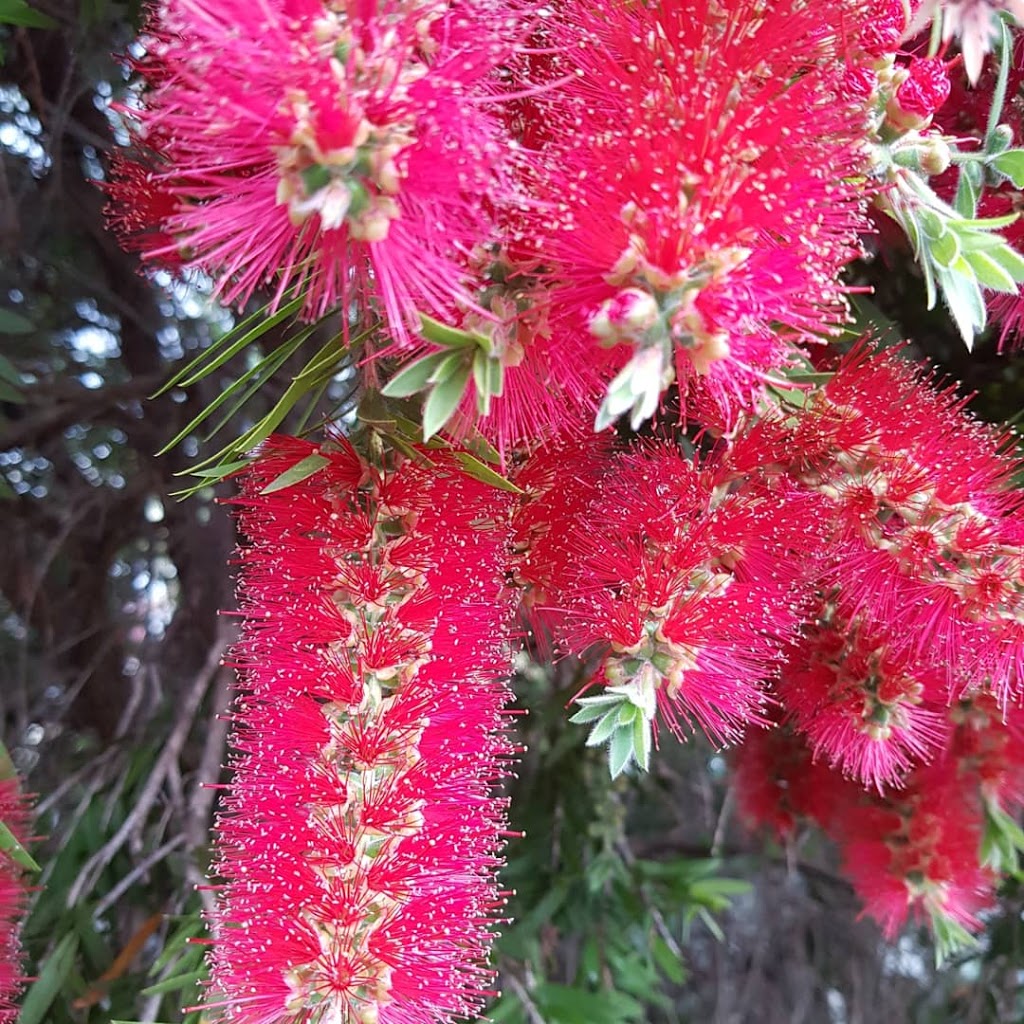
x=604, y=729
x=620, y=752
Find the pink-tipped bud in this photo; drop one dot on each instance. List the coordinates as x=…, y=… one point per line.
x=626, y=315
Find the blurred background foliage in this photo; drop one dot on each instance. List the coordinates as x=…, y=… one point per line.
x=638, y=900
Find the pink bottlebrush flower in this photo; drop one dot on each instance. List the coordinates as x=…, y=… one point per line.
x=558, y=481
x=704, y=157
x=879, y=34
x=689, y=589
x=361, y=836
x=871, y=712
x=926, y=539
x=13, y=901
x=346, y=152
x=988, y=743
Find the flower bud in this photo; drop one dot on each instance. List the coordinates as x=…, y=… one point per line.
x=626, y=315
x=916, y=98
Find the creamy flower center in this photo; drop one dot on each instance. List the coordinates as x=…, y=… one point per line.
x=338, y=164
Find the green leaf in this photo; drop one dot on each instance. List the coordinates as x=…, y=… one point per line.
x=11, y=322
x=9, y=844
x=989, y=223
x=45, y=988
x=450, y=337
x=604, y=729
x=990, y=273
x=478, y=470
x=964, y=298
x=1011, y=163
x=444, y=399
x=642, y=741
x=9, y=394
x=175, y=984
x=945, y=248
x=234, y=341
x=414, y=378
x=257, y=374
x=950, y=937
x=302, y=470
x=966, y=200
x=1009, y=259
x=17, y=12
x=590, y=714
x=620, y=751
x=9, y=372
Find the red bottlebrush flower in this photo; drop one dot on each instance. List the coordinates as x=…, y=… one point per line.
x=690, y=590
x=139, y=204
x=718, y=188
x=921, y=93
x=344, y=151
x=360, y=839
x=779, y=783
x=872, y=712
x=13, y=900
x=988, y=743
x=915, y=852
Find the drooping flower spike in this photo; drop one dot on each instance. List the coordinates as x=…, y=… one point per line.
x=361, y=836
x=688, y=589
x=345, y=152
x=703, y=166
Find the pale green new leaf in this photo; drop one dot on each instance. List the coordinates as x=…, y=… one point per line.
x=414, y=377
x=990, y=273
x=620, y=751
x=444, y=399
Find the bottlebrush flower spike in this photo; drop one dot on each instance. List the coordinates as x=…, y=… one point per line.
x=13, y=899
x=690, y=589
x=343, y=150
x=928, y=535
x=706, y=195
x=779, y=784
x=870, y=711
x=361, y=836
x=915, y=852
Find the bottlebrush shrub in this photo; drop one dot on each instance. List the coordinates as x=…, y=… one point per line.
x=361, y=836
x=13, y=898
